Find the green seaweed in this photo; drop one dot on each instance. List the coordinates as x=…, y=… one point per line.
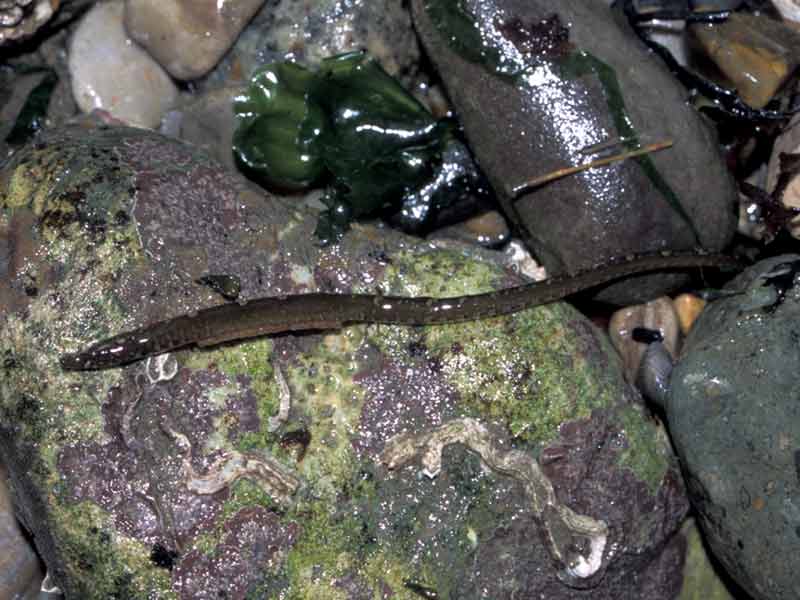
x=348, y=125
x=279, y=130
x=33, y=113
x=458, y=26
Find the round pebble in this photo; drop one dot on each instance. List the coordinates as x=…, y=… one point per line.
x=789, y=9
x=659, y=314
x=188, y=37
x=486, y=229
x=688, y=307
x=111, y=73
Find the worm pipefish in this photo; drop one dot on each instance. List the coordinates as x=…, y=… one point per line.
x=318, y=311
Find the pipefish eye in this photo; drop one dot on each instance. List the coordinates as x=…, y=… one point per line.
x=73, y=362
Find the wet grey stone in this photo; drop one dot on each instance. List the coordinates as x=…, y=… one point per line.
x=734, y=417
x=535, y=87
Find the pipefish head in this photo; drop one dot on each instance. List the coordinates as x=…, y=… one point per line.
x=113, y=352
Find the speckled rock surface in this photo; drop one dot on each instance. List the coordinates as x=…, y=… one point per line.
x=735, y=420
x=352, y=464
x=534, y=86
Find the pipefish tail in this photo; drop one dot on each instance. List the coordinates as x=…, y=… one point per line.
x=319, y=311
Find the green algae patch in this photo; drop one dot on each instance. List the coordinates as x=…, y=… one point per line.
x=327, y=400
x=99, y=563
x=441, y=273
x=46, y=407
x=533, y=370
x=324, y=552
x=251, y=358
x=700, y=580
x=528, y=370
x=69, y=404
x=246, y=493
x=82, y=181
x=17, y=188
x=336, y=544
x=249, y=364
x=648, y=451
x=381, y=567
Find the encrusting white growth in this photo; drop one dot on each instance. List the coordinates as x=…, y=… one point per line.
x=556, y=518
x=284, y=399
x=161, y=368
x=276, y=479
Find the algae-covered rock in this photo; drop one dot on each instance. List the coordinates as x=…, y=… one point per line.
x=700, y=580
x=505, y=458
x=734, y=417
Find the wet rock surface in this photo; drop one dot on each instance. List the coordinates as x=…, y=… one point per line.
x=735, y=421
x=20, y=568
x=284, y=465
x=207, y=122
x=534, y=90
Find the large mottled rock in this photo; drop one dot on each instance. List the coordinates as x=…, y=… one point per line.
x=535, y=84
x=734, y=417
x=359, y=463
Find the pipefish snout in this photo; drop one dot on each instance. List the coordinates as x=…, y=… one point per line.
x=320, y=311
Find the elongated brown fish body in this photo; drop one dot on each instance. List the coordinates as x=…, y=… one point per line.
x=264, y=316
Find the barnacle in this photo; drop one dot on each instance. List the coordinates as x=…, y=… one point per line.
x=21, y=18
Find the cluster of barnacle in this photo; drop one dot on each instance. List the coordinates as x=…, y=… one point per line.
x=19, y=19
